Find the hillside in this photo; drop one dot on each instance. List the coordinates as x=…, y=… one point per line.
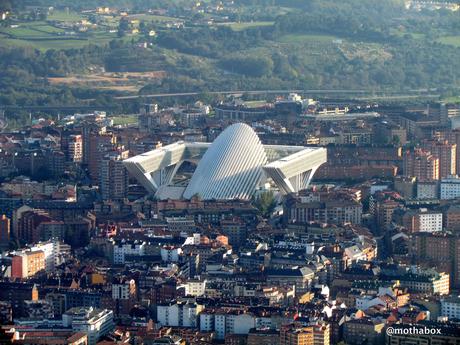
x=58, y=54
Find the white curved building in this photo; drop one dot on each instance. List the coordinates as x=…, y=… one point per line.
x=232, y=167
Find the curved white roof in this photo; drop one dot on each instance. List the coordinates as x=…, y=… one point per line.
x=232, y=166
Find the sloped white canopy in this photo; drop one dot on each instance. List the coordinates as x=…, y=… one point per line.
x=231, y=167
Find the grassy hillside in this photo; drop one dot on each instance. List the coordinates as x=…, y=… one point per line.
x=257, y=44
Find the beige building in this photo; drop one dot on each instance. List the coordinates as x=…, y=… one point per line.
x=447, y=154
x=318, y=334
x=439, y=250
x=113, y=177
x=452, y=218
x=75, y=148
x=422, y=164
x=27, y=264
x=432, y=285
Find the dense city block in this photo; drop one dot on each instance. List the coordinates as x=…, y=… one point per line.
x=254, y=172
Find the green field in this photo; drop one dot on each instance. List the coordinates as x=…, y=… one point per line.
x=48, y=44
x=402, y=33
x=44, y=36
x=48, y=29
x=124, y=120
x=153, y=18
x=452, y=99
x=304, y=38
x=24, y=33
x=64, y=16
x=45, y=42
x=51, y=34
x=450, y=40
x=247, y=25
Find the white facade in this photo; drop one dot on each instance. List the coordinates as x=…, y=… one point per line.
x=366, y=302
x=241, y=323
x=170, y=254
x=439, y=284
x=168, y=315
x=51, y=251
x=179, y=314
x=124, y=290
x=450, y=188
x=179, y=224
x=427, y=190
x=225, y=322
x=195, y=288
x=206, y=322
x=193, y=240
x=233, y=166
x=450, y=307
x=430, y=222
x=94, y=322
x=120, y=250
x=76, y=148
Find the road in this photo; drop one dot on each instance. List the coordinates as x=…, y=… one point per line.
x=250, y=92
x=76, y=107
x=400, y=97
x=359, y=95
x=258, y=92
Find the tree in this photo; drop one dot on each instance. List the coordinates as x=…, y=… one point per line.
x=5, y=5
x=253, y=66
x=42, y=16
x=143, y=27
x=265, y=202
x=123, y=27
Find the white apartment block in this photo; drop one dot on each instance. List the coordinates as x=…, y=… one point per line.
x=54, y=252
x=124, y=248
x=224, y=322
x=124, y=289
x=51, y=251
x=450, y=307
x=427, y=190
x=94, y=322
x=195, y=288
x=179, y=314
x=450, y=188
x=170, y=253
x=430, y=221
x=439, y=284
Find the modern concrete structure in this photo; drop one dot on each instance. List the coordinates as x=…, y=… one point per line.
x=94, y=322
x=231, y=167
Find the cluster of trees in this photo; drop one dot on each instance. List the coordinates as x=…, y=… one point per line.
x=414, y=62
x=265, y=202
x=209, y=42
x=5, y=5
x=52, y=63
x=253, y=66
x=127, y=59
x=24, y=73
